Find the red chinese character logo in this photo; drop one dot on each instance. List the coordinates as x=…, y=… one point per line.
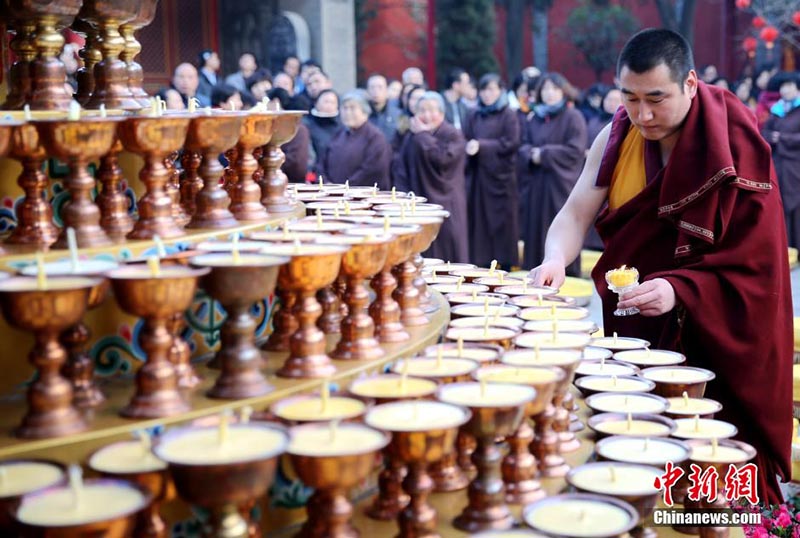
x=670, y=477
x=742, y=482
x=702, y=484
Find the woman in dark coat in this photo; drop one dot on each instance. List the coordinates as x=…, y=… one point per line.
x=553, y=146
x=323, y=123
x=492, y=131
x=358, y=153
x=782, y=131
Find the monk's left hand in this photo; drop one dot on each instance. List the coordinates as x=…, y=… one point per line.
x=651, y=297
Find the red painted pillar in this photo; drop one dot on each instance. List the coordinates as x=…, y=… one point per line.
x=431, y=68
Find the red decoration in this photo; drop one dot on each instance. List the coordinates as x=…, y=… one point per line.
x=769, y=35
x=749, y=44
x=759, y=22
x=796, y=18
x=743, y=4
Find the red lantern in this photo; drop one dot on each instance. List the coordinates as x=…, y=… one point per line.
x=769, y=35
x=743, y=4
x=759, y=22
x=749, y=44
x=796, y=18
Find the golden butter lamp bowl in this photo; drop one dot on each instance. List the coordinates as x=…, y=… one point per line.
x=605, y=367
x=680, y=407
x=671, y=381
x=527, y=290
x=479, y=297
x=643, y=498
x=592, y=384
x=481, y=308
x=636, y=403
x=333, y=470
x=500, y=336
x=480, y=322
x=656, y=451
x=608, y=424
x=222, y=486
x=237, y=282
x=9, y=501
x=418, y=446
x=118, y=525
x=529, y=301
x=538, y=513
x=564, y=313
x=305, y=408
x=482, y=353
x=619, y=343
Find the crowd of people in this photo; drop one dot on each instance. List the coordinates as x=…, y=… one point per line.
x=502, y=160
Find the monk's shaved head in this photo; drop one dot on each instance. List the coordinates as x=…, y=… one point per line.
x=655, y=46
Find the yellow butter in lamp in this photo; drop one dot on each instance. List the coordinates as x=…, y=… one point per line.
x=615, y=479
x=722, y=454
x=692, y=406
x=528, y=302
x=544, y=314
x=609, y=402
x=677, y=375
x=543, y=357
x=580, y=518
x=567, y=326
x=634, y=450
x=632, y=427
x=98, y=502
x=469, y=334
x=454, y=288
x=622, y=277
x=548, y=341
x=486, y=394
x=415, y=416
x=475, y=353
x=476, y=321
x=18, y=478
x=202, y=445
x=125, y=457
x=319, y=440
x=392, y=386
x=652, y=357
x=704, y=428
x=524, y=376
x=337, y=407
x=619, y=343
x=601, y=368
x=481, y=310
x=609, y=384
x=433, y=367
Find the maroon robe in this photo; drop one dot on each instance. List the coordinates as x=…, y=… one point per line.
x=297, y=155
x=492, y=187
x=431, y=164
x=546, y=186
x=361, y=156
x=786, y=154
x=710, y=223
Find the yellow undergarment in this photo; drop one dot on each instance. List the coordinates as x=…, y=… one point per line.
x=630, y=175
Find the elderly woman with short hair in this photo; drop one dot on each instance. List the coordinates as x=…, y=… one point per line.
x=358, y=153
x=430, y=162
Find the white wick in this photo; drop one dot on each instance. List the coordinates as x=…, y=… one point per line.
x=76, y=485
x=72, y=243
x=160, y=250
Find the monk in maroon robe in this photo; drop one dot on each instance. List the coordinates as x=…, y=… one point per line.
x=359, y=152
x=782, y=131
x=493, y=138
x=704, y=227
x=430, y=163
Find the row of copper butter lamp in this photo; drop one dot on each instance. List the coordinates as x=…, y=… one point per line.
x=611, y=387
x=161, y=294
x=475, y=514
x=334, y=458
x=173, y=201
x=110, y=75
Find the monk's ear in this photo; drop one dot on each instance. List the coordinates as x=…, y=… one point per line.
x=690, y=85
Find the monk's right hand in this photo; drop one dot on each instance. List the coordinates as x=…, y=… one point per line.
x=551, y=273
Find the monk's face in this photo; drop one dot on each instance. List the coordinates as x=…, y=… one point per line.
x=656, y=104
x=429, y=113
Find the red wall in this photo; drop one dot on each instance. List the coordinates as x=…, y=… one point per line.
x=715, y=30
